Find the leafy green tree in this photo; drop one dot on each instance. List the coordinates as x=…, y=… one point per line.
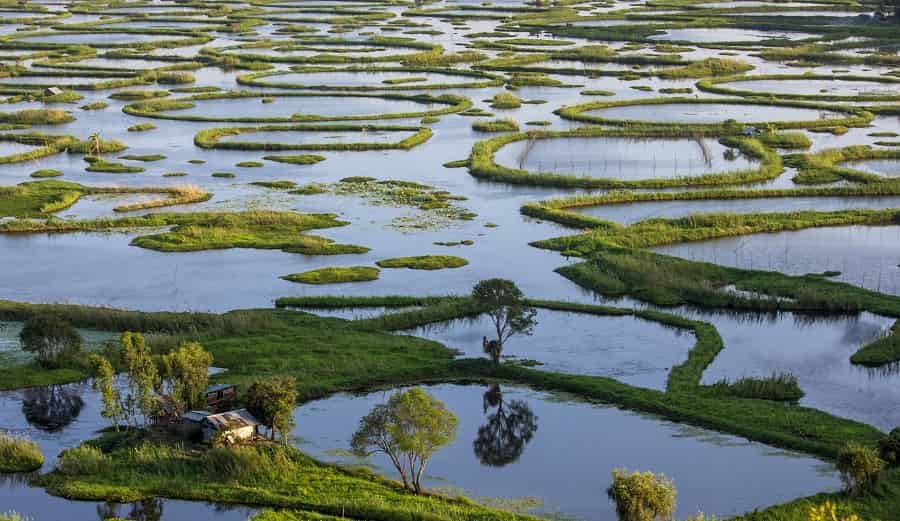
x=105, y=384
x=508, y=310
x=409, y=429
x=50, y=338
x=642, y=496
x=186, y=370
x=860, y=468
x=143, y=376
x=272, y=402
x=889, y=448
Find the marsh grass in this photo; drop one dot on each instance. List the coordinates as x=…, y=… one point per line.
x=782, y=387
x=19, y=454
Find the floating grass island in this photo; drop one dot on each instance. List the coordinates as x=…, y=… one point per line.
x=335, y=275
x=424, y=262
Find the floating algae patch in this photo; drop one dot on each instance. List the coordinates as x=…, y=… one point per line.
x=437, y=208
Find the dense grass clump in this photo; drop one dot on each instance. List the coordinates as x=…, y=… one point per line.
x=19, y=454
x=497, y=125
x=707, y=68
x=506, y=100
x=37, y=117
x=782, y=387
x=884, y=350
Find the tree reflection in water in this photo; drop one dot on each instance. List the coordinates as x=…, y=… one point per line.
x=144, y=510
x=52, y=407
x=502, y=439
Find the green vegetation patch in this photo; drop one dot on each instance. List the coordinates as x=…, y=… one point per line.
x=824, y=166
x=210, y=231
x=497, y=125
x=46, y=173
x=424, y=262
x=335, y=275
x=303, y=159
x=882, y=351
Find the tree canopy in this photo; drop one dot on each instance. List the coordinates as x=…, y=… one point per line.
x=272, y=402
x=50, y=338
x=408, y=429
x=508, y=310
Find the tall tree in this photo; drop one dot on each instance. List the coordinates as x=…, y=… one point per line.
x=272, y=401
x=50, y=338
x=186, y=371
x=507, y=308
x=143, y=376
x=105, y=383
x=408, y=429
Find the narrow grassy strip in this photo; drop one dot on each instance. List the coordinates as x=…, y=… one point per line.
x=163, y=108
x=470, y=79
x=700, y=227
x=42, y=198
x=212, y=138
x=560, y=210
x=852, y=116
x=721, y=86
x=824, y=166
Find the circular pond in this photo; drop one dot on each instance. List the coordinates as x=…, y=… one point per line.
x=627, y=159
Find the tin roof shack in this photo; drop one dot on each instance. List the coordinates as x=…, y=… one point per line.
x=221, y=397
x=229, y=427
x=191, y=425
